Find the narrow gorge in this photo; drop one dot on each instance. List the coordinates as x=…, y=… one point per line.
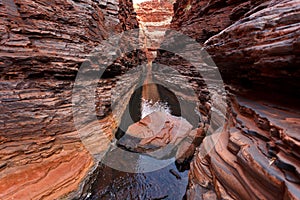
x=150, y=99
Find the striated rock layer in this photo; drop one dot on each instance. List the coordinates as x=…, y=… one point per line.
x=154, y=18
x=256, y=156
x=263, y=49
x=43, y=43
x=255, y=46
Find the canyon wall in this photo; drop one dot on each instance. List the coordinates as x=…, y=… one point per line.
x=153, y=17
x=43, y=44
x=255, y=45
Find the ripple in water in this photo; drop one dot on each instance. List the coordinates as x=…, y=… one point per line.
x=149, y=107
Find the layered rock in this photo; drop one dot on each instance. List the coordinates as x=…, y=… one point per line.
x=154, y=18
x=43, y=43
x=119, y=15
x=203, y=19
x=255, y=157
x=263, y=49
x=254, y=44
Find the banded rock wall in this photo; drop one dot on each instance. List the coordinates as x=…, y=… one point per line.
x=255, y=46
x=43, y=43
x=154, y=18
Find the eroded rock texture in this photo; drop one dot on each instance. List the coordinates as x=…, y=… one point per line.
x=153, y=17
x=255, y=43
x=263, y=49
x=43, y=43
x=255, y=46
x=255, y=157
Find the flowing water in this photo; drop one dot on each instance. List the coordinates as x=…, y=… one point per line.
x=149, y=107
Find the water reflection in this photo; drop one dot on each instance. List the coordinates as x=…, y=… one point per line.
x=165, y=183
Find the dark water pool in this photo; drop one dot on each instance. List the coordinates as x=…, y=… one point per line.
x=164, y=183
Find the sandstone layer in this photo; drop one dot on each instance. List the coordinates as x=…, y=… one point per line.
x=251, y=148
x=255, y=46
x=154, y=18
x=43, y=44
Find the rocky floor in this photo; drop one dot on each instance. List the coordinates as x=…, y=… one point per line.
x=255, y=154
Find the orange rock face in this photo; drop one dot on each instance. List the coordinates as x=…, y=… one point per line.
x=43, y=43
x=50, y=178
x=255, y=46
x=153, y=17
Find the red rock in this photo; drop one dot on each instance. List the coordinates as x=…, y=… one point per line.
x=43, y=43
x=154, y=18
x=241, y=162
x=253, y=44
x=261, y=49
x=154, y=132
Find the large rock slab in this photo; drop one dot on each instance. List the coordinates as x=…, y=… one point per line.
x=158, y=133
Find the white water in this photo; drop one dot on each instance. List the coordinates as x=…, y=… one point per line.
x=149, y=107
